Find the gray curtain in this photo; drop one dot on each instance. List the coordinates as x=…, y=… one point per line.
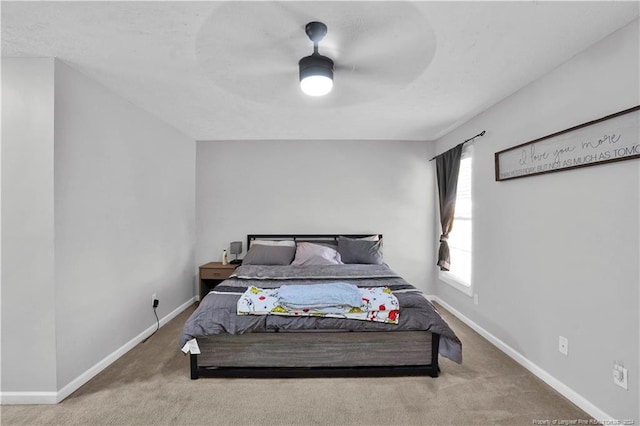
x=447, y=169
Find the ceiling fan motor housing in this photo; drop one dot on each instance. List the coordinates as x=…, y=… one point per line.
x=316, y=64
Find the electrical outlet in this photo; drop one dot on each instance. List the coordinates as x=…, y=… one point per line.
x=154, y=297
x=475, y=298
x=563, y=345
x=620, y=375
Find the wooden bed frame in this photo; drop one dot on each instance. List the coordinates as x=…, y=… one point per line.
x=316, y=353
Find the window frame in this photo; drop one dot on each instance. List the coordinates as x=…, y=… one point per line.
x=446, y=276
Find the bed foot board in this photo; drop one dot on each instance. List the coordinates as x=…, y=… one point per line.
x=432, y=369
x=317, y=355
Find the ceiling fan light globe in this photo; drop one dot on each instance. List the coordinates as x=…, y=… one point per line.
x=316, y=85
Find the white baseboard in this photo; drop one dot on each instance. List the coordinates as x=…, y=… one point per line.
x=11, y=398
x=563, y=389
x=56, y=397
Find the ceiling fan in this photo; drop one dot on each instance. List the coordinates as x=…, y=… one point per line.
x=368, y=50
x=316, y=70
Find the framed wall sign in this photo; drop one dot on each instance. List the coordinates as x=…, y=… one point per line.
x=611, y=138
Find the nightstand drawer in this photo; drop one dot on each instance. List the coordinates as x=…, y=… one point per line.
x=212, y=274
x=215, y=274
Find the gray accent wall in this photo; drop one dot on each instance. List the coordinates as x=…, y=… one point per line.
x=557, y=254
x=253, y=187
x=98, y=214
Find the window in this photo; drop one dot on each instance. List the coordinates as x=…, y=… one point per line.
x=460, y=237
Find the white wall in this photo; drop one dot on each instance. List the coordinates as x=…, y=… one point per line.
x=125, y=220
x=98, y=214
x=557, y=254
x=318, y=187
x=28, y=314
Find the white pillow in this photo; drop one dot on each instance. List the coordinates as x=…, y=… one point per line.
x=315, y=254
x=285, y=243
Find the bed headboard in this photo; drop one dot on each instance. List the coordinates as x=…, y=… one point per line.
x=305, y=237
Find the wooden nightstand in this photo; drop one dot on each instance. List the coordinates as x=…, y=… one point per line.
x=212, y=274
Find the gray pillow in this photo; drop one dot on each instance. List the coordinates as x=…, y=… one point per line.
x=360, y=251
x=260, y=254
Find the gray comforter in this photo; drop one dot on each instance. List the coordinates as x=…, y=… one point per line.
x=217, y=311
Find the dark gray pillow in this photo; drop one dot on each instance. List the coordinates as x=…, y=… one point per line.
x=260, y=254
x=360, y=251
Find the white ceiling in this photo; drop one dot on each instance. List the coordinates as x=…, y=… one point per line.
x=228, y=70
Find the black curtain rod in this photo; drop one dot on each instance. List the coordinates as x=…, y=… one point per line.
x=468, y=140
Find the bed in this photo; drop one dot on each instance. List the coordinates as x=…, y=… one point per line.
x=230, y=334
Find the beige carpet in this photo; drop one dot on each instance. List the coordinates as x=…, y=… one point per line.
x=151, y=385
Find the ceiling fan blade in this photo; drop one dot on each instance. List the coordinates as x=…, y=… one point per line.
x=374, y=79
x=364, y=87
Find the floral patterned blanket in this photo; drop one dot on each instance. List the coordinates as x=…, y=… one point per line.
x=377, y=304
